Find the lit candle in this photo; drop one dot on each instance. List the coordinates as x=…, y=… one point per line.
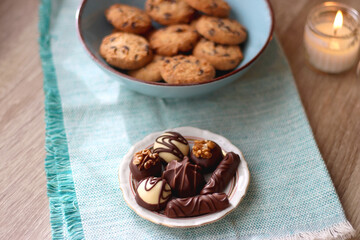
x=331, y=37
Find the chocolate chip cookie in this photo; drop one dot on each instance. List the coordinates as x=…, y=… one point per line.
x=186, y=70
x=193, y=23
x=126, y=50
x=218, y=8
x=220, y=30
x=167, y=12
x=173, y=39
x=150, y=72
x=222, y=57
x=128, y=19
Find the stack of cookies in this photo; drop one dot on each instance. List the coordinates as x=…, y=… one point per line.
x=189, y=49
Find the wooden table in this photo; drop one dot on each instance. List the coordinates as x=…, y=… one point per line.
x=332, y=104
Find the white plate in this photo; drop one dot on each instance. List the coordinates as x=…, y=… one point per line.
x=235, y=190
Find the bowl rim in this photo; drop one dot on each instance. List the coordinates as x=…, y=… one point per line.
x=128, y=77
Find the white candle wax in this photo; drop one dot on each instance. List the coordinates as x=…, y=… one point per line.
x=330, y=54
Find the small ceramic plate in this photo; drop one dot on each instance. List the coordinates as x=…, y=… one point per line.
x=235, y=190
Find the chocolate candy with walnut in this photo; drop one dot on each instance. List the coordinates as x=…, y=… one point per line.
x=207, y=154
x=195, y=206
x=184, y=178
x=171, y=146
x=222, y=174
x=153, y=193
x=145, y=164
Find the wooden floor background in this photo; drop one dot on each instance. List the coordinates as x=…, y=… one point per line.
x=332, y=104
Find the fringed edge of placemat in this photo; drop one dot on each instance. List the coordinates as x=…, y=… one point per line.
x=340, y=231
x=60, y=187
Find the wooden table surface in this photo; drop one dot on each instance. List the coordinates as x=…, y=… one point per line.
x=332, y=104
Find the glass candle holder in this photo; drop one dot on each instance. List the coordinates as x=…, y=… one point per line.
x=331, y=37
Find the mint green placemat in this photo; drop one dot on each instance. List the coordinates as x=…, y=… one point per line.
x=91, y=122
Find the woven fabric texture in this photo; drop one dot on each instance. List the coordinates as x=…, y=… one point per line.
x=95, y=120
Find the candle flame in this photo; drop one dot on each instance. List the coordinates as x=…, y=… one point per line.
x=338, y=22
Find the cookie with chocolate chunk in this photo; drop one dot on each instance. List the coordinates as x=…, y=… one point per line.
x=220, y=30
x=186, y=70
x=150, y=72
x=128, y=19
x=218, y=8
x=222, y=57
x=126, y=50
x=173, y=39
x=167, y=12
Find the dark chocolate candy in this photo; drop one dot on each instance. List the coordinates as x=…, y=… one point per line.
x=222, y=174
x=145, y=164
x=153, y=193
x=184, y=178
x=207, y=154
x=195, y=206
x=171, y=146
x=186, y=159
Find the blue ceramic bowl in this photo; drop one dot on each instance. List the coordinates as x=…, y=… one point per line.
x=255, y=15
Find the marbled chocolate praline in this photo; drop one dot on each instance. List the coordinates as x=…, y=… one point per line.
x=184, y=178
x=145, y=164
x=153, y=193
x=222, y=174
x=171, y=146
x=195, y=206
x=207, y=154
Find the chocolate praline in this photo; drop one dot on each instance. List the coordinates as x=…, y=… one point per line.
x=184, y=178
x=145, y=164
x=171, y=146
x=153, y=193
x=207, y=154
x=222, y=175
x=195, y=206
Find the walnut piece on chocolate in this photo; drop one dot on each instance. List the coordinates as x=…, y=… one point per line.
x=144, y=159
x=145, y=164
x=207, y=154
x=202, y=148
